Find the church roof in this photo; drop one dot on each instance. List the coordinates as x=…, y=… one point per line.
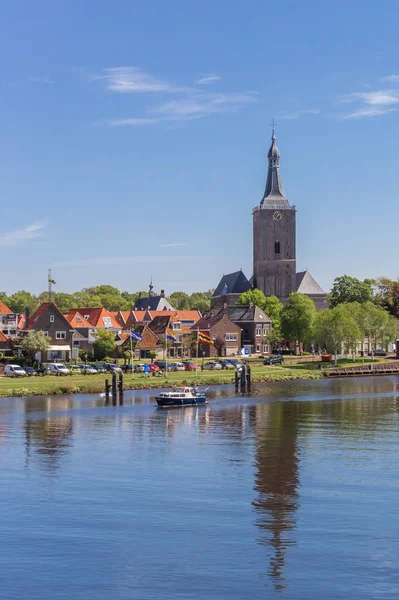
x=153, y=303
x=274, y=196
x=245, y=313
x=305, y=284
x=232, y=283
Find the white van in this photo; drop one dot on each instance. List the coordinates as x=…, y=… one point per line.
x=58, y=369
x=14, y=371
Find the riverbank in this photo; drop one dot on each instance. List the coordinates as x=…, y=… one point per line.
x=94, y=384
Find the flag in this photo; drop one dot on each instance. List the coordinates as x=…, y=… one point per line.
x=135, y=336
x=205, y=338
x=170, y=336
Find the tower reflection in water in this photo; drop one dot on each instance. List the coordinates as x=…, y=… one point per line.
x=276, y=482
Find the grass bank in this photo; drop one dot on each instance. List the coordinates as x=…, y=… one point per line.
x=92, y=384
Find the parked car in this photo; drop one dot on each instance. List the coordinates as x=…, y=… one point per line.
x=188, y=365
x=172, y=366
x=100, y=368
x=274, y=360
x=30, y=371
x=378, y=352
x=226, y=364
x=88, y=370
x=44, y=370
x=236, y=363
x=213, y=365
x=110, y=367
x=75, y=369
x=14, y=371
x=179, y=366
x=139, y=368
x=58, y=369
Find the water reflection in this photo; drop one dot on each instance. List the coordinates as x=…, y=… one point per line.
x=48, y=437
x=276, y=482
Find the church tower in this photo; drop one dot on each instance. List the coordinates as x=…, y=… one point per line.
x=274, y=265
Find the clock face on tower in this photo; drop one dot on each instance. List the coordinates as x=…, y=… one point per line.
x=277, y=216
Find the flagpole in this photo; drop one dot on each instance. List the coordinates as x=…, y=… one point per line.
x=196, y=366
x=131, y=353
x=166, y=352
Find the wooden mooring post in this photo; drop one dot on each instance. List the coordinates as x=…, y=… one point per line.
x=120, y=386
x=114, y=388
x=106, y=391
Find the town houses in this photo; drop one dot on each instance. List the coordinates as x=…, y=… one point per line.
x=159, y=327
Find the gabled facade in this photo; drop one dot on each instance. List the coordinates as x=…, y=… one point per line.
x=179, y=323
x=254, y=324
x=86, y=321
x=151, y=302
x=149, y=342
x=65, y=340
x=218, y=326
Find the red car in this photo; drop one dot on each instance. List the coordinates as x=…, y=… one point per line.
x=188, y=366
x=154, y=368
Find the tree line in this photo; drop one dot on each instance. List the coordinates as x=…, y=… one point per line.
x=357, y=309
x=107, y=296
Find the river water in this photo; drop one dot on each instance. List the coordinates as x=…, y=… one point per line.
x=290, y=493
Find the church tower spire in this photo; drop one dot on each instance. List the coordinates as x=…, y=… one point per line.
x=274, y=196
x=274, y=234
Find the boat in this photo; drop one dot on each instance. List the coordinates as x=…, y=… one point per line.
x=184, y=396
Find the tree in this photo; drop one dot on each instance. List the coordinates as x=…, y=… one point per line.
x=273, y=307
x=151, y=354
x=387, y=295
x=104, y=344
x=349, y=289
x=335, y=328
x=381, y=327
x=256, y=297
x=179, y=301
x=34, y=342
x=127, y=356
x=22, y=300
x=220, y=345
x=297, y=318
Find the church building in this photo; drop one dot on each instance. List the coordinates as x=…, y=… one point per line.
x=274, y=248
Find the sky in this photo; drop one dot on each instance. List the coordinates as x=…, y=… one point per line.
x=134, y=138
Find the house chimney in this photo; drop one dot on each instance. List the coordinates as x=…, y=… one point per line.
x=162, y=293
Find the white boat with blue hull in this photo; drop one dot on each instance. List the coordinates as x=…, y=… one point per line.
x=184, y=396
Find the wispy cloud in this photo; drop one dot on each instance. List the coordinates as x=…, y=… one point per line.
x=190, y=103
x=206, y=79
x=173, y=245
x=394, y=78
x=371, y=104
x=299, y=113
x=18, y=237
x=128, y=80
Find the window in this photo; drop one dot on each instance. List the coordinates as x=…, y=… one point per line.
x=265, y=348
x=276, y=247
x=13, y=332
x=180, y=339
x=258, y=348
x=214, y=336
x=107, y=321
x=60, y=335
x=231, y=337
x=187, y=323
x=265, y=329
x=79, y=319
x=258, y=331
x=176, y=325
x=87, y=317
x=51, y=318
x=45, y=333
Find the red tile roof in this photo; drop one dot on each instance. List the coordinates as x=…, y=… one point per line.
x=95, y=316
x=4, y=310
x=76, y=319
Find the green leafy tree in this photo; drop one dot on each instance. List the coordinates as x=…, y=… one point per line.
x=22, y=300
x=104, y=344
x=297, y=317
x=86, y=300
x=179, y=301
x=381, y=327
x=387, y=295
x=336, y=328
x=256, y=297
x=349, y=289
x=151, y=354
x=34, y=342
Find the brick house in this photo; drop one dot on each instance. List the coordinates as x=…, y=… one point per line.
x=180, y=323
x=149, y=341
x=86, y=321
x=8, y=321
x=65, y=340
x=254, y=324
x=218, y=326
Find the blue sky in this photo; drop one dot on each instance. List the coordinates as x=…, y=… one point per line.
x=134, y=138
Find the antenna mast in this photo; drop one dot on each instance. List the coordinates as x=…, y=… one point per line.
x=50, y=282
